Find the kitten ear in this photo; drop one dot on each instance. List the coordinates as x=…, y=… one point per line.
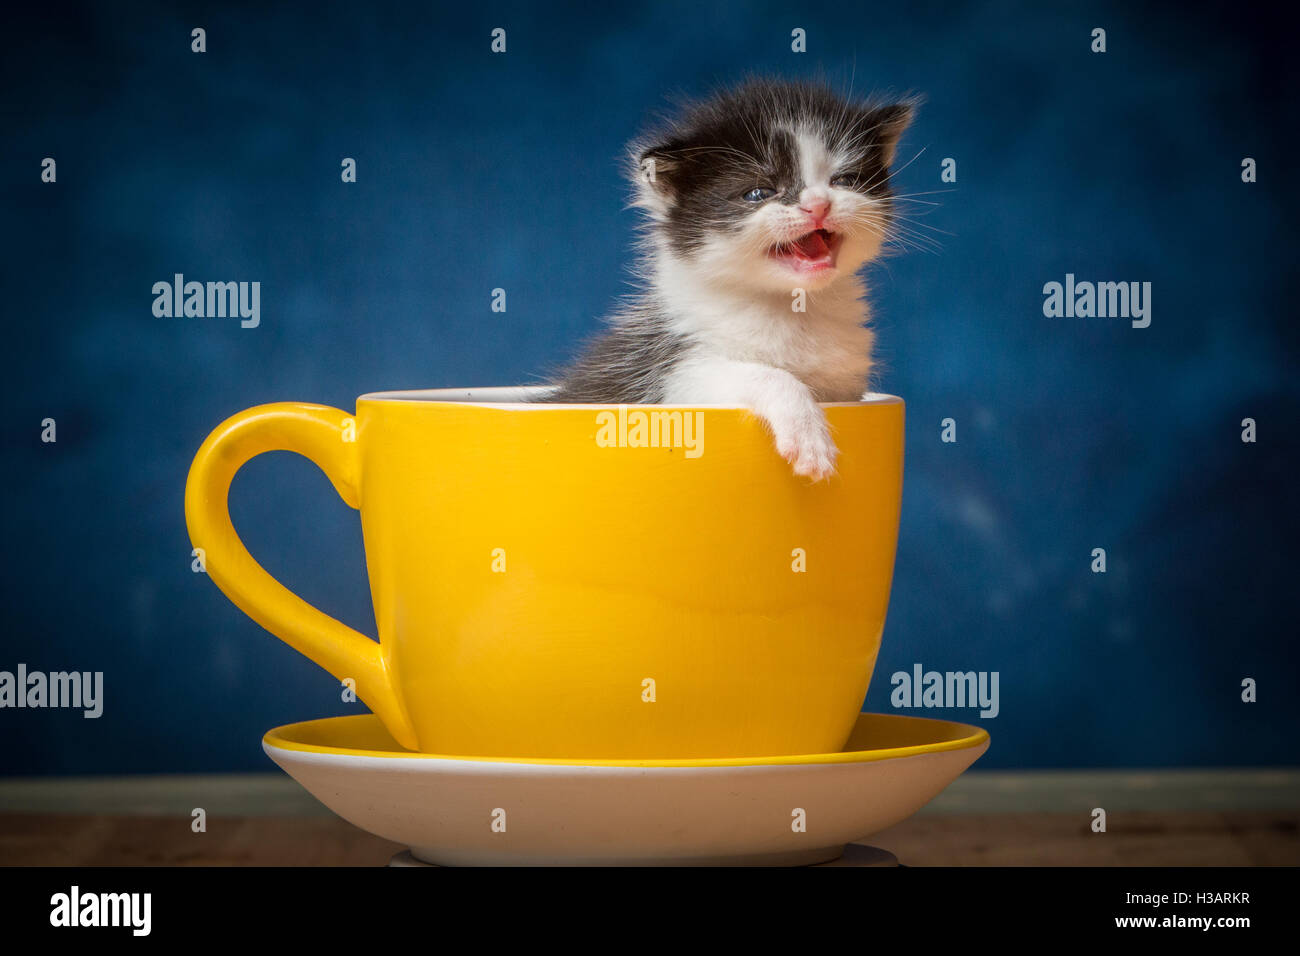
x=655, y=167
x=887, y=123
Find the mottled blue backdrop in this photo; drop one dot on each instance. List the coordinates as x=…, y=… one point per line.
x=478, y=171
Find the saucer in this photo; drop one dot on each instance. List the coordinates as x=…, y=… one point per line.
x=781, y=810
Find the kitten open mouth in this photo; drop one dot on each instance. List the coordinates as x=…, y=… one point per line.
x=811, y=252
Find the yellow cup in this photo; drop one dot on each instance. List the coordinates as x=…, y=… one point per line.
x=584, y=581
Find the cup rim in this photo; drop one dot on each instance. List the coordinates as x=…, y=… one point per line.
x=513, y=397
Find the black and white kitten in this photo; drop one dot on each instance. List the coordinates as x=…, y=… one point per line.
x=753, y=195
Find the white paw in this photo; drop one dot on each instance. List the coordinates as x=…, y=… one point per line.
x=804, y=440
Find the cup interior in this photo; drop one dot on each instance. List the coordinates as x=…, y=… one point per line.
x=530, y=397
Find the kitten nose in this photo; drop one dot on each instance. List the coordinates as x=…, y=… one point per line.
x=816, y=206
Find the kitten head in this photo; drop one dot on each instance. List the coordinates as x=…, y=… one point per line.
x=780, y=185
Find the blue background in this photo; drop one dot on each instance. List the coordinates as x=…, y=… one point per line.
x=478, y=171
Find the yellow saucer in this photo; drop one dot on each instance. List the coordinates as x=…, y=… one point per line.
x=466, y=810
x=875, y=737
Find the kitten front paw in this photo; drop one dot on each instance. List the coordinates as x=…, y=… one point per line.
x=806, y=443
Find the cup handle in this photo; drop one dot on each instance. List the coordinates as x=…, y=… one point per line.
x=318, y=433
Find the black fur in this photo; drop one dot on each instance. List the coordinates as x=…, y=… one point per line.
x=717, y=150
x=625, y=365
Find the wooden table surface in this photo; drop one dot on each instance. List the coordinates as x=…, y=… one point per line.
x=1042, y=818
x=1198, y=838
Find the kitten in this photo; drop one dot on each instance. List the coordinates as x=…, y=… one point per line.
x=757, y=192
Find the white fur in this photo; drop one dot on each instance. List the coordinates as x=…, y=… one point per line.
x=815, y=159
x=733, y=303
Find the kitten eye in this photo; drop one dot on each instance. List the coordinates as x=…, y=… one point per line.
x=758, y=194
x=843, y=180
